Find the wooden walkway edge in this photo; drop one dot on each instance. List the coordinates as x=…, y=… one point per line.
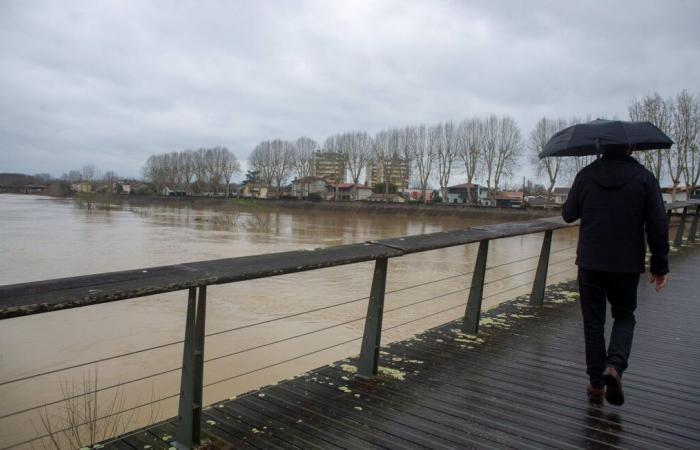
x=519, y=384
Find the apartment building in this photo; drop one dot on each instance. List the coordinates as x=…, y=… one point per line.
x=331, y=166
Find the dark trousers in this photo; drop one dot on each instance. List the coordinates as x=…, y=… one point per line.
x=621, y=291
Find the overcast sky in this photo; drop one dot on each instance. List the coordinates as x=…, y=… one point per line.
x=112, y=82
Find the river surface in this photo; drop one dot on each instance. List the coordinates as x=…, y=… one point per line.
x=43, y=238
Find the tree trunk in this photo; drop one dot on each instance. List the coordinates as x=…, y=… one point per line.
x=548, y=196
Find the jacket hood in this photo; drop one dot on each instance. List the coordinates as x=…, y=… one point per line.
x=614, y=172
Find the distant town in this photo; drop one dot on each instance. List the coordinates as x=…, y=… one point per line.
x=397, y=165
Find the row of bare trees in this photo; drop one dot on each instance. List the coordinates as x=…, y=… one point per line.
x=488, y=149
x=274, y=161
x=553, y=170
x=198, y=171
x=679, y=117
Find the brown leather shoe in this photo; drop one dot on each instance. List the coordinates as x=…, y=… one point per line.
x=595, y=395
x=613, y=384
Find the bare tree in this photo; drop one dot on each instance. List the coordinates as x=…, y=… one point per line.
x=551, y=166
x=683, y=133
x=333, y=143
x=260, y=161
x=385, y=154
x=153, y=171
x=576, y=163
x=229, y=166
x=356, y=149
x=273, y=162
x=469, y=144
x=405, y=155
x=110, y=176
x=215, y=162
x=72, y=176
x=443, y=137
x=42, y=178
x=509, y=149
x=200, y=169
x=490, y=150
x=185, y=169
x=89, y=173
x=686, y=130
x=502, y=146
x=654, y=109
x=303, y=159
x=422, y=154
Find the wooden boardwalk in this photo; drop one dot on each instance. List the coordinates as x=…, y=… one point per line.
x=520, y=384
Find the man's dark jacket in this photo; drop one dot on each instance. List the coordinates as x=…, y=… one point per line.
x=616, y=198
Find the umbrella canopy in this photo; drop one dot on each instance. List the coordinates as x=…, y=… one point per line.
x=600, y=136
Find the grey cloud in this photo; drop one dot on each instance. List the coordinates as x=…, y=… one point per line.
x=112, y=82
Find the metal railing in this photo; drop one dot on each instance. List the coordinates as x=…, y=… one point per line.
x=52, y=295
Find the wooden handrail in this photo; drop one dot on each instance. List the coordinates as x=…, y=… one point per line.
x=65, y=293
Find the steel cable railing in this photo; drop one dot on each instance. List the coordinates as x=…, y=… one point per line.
x=288, y=339
x=291, y=337
x=263, y=322
x=465, y=303
x=95, y=391
x=360, y=337
x=373, y=328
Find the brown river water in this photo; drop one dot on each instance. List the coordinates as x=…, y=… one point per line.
x=43, y=238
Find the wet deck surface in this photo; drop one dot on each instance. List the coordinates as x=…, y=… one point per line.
x=520, y=384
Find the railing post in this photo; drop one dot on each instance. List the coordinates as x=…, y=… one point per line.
x=472, y=313
x=537, y=294
x=190, y=409
x=694, y=225
x=371, y=340
x=678, y=241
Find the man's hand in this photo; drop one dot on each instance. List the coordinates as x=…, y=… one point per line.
x=659, y=281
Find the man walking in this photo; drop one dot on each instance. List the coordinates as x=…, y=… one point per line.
x=617, y=199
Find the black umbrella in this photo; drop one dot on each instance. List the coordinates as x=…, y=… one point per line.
x=600, y=136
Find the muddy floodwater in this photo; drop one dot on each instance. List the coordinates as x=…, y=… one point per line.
x=43, y=238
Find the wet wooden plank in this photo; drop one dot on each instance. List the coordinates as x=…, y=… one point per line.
x=118, y=445
x=268, y=425
x=169, y=430
x=344, y=421
x=228, y=427
x=413, y=424
x=145, y=440
x=301, y=430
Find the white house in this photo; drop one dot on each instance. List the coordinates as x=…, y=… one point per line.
x=309, y=186
x=560, y=194
x=346, y=191
x=467, y=192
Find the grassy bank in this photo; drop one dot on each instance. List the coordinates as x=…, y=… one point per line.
x=352, y=207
